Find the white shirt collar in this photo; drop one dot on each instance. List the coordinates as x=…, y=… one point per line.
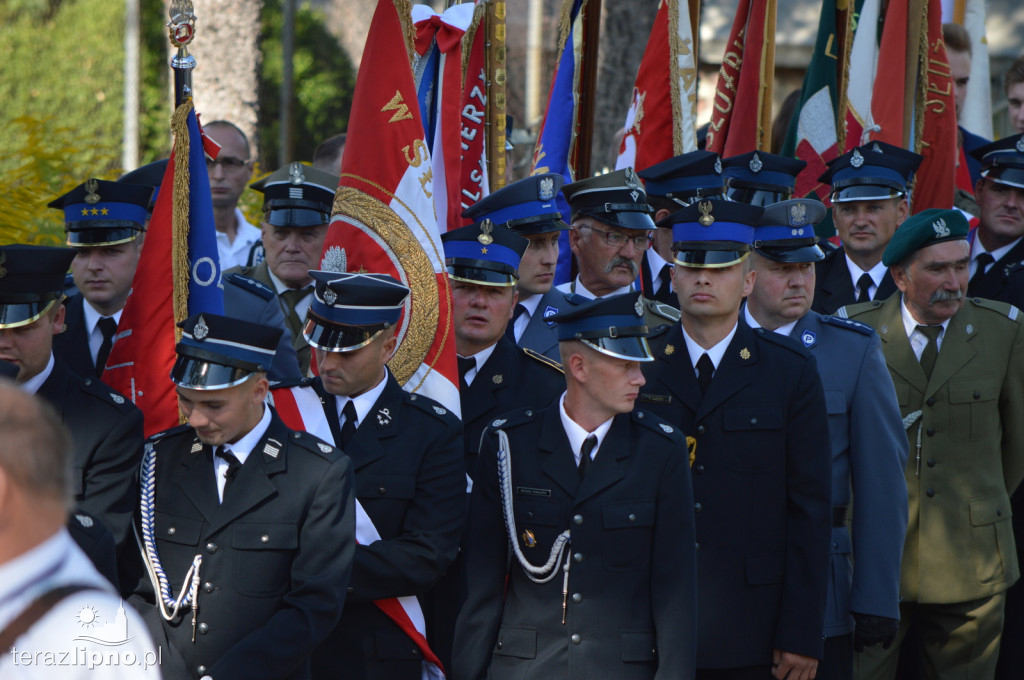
x=580, y=289
x=92, y=332
x=977, y=249
x=656, y=262
x=877, y=273
x=715, y=353
x=480, y=358
x=530, y=304
x=236, y=253
x=33, y=384
x=241, y=450
x=364, y=402
x=786, y=329
x=918, y=340
x=577, y=435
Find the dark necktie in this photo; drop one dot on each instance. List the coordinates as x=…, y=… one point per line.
x=931, y=351
x=983, y=260
x=510, y=329
x=588, y=445
x=465, y=364
x=705, y=370
x=108, y=327
x=665, y=293
x=233, y=467
x=864, y=284
x=292, y=298
x=349, y=427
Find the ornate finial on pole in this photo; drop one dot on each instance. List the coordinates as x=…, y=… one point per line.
x=182, y=28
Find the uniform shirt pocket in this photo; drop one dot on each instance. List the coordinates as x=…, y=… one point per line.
x=973, y=409
x=639, y=646
x=991, y=536
x=751, y=430
x=626, y=537
x=177, y=529
x=263, y=556
x=518, y=642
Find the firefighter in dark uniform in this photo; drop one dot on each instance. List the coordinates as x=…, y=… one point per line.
x=410, y=481
x=753, y=400
x=106, y=429
x=495, y=375
x=580, y=556
x=247, y=528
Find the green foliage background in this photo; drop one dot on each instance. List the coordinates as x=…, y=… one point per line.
x=62, y=85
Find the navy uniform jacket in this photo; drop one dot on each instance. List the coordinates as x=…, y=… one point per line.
x=1004, y=281
x=107, y=437
x=630, y=610
x=409, y=478
x=869, y=453
x=244, y=298
x=512, y=378
x=833, y=287
x=539, y=335
x=761, y=483
x=276, y=555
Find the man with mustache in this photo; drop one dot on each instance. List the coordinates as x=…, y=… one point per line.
x=495, y=376
x=956, y=366
x=869, y=200
x=611, y=231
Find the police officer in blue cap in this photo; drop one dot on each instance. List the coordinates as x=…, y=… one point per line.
x=528, y=208
x=106, y=429
x=869, y=447
x=247, y=527
x=670, y=185
x=105, y=223
x=495, y=375
x=870, y=199
x=244, y=297
x=410, y=480
x=761, y=178
x=580, y=548
x=753, y=401
x=997, y=245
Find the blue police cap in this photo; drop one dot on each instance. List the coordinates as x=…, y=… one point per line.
x=612, y=325
x=872, y=172
x=31, y=281
x=712, y=233
x=349, y=310
x=1002, y=161
x=785, y=232
x=685, y=178
x=297, y=195
x=102, y=213
x=761, y=178
x=924, y=229
x=526, y=207
x=149, y=175
x=615, y=198
x=484, y=253
x=216, y=352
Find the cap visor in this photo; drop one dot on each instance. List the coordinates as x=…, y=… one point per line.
x=631, y=348
x=479, y=275
x=626, y=219
x=335, y=337
x=14, y=315
x=710, y=259
x=296, y=217
x=759, y=197
x=798, y=253
x=200, y=374
x=1013, y=177
x=103, y=237
x=864, y=192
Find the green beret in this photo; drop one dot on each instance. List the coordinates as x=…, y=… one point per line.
x=922, y=230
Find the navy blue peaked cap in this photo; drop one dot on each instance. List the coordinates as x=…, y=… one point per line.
x=713, y=233
x=761, y=178
x=216, y=352
x=484, y=253
x=349, y=310
x=872, y=172
x=526, y=207
x=31, y=281
x=102, y=213
x=785, y=232
x=1002, y=161
x=612, y=325
x=693, y=175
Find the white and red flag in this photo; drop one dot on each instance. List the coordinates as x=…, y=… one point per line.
x=660, y=123
x=384, y=219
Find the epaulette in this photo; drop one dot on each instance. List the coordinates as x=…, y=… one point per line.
x=314, y=444
x=782, y=341
x=655, y=424
x=1001, y=308
x=107, y=395
x=428, y=405
x=512, y=419
x=292, y=382
x=251, y=285
x=849, y=324
x=661, y=309
x=850, y=311
x=177, y=429
x=543, y=359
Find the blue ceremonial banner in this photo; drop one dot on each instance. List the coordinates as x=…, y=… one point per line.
x=556, y=140
x=205, y=291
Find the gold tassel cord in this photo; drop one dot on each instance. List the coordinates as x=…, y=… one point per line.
x=180, y=214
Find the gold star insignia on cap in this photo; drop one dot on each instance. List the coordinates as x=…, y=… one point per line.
x=94, y=211
x=483, y=251
x=85, y=212
x=104, y=211
x=744, y=354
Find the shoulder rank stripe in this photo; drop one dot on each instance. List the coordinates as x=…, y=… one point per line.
x=543, y=359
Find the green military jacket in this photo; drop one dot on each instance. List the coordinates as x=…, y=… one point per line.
x=966, y=432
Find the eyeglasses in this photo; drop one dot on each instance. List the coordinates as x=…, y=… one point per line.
x=617, y=239
x=226, y=162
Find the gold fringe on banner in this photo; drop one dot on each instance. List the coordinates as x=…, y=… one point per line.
x=180, y=214
x=674, y=49
x=564, y=26
x=922, y=78
x=404, y=9
x=467, y=40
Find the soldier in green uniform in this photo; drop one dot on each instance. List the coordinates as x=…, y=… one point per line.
x=956, y=365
